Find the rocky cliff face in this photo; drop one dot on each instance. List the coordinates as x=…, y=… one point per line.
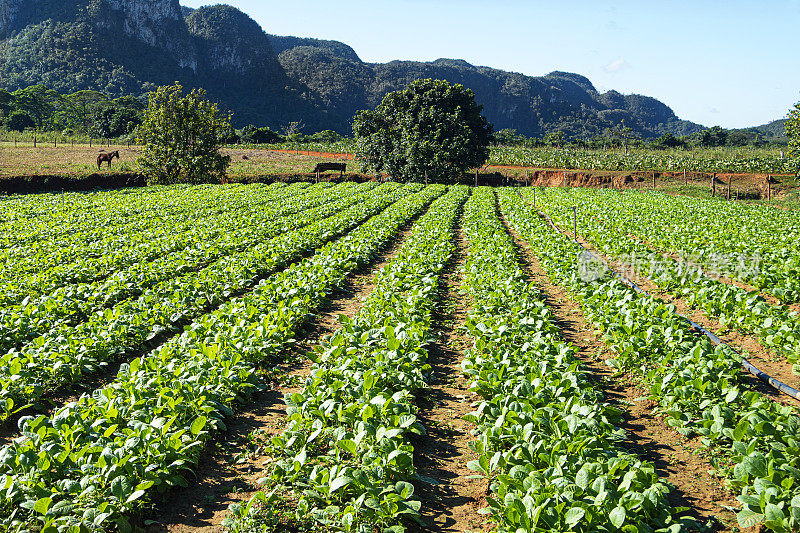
x=231, y=42
x=156, y=23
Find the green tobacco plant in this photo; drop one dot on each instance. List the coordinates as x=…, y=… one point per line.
x=97, y=459
x=344, y=459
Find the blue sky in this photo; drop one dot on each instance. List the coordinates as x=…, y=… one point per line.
x=733, y=63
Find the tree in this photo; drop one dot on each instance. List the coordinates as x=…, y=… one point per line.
x=252, y=135
x=622, y=133
x=83, y=104
x=20, y=121
x=554, y=139
x=668, y=140
x=182, y=135
x=114, y=121
x=430, y=128
x=793, y=132
x=507, y=137
x=38, y=102
x=716, y=136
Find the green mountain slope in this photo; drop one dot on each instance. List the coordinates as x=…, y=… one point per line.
x=129, y=46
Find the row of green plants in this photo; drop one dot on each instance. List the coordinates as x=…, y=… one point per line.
x=204, y=246
x=699, y=388
x=30, y=270
x=740, y=160
x=674, y=161
x=745, y=242
x=28, y=218
x=776, y=326
x=65, y=355
x=344, y=460
x=95, y=463
x=549, y=444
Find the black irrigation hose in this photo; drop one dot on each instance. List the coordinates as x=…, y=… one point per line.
x=747, y=365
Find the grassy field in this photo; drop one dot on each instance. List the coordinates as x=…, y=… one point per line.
x=80, y=160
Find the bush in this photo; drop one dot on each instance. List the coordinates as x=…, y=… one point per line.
x=19, y=121
x=182, y=136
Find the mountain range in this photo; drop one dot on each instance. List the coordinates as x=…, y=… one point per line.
x=131, y=46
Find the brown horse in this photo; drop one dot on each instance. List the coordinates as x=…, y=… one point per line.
x=107, y=157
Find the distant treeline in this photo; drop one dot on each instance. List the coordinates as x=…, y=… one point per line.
x=90, y=113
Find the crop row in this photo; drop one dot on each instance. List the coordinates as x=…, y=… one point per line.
x=68, y=219
x=66, y=354
x=76, y=264
x=95, y=461
x=52, y=237
x=637, y=161
x=547, y=441
x=698, y=387
x=745, y=242
x=344, y=458
x=777, y=326
x=71, y=304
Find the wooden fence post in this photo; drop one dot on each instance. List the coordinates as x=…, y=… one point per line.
x=534, y=197
x=90, y=142
x=54, y=143
x=729, y=188
x=34, y=141
x=476, y=177
x=685, y=182
x=713, y=185
x=769, y=188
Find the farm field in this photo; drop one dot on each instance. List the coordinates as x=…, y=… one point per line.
x=279, y=162
x=387, y=357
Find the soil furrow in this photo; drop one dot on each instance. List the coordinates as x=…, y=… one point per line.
x=230, y=470
x=450, y=500
x=677, y=460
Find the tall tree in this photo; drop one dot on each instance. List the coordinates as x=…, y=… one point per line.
x=430, y=128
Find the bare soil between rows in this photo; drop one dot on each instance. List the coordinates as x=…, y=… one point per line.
x=451, y=503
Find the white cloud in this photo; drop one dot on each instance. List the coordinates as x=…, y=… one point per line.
x=617, y=66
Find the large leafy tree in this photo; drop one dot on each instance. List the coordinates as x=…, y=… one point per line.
x=430, y=127
x=793, y=132
x=182, y=135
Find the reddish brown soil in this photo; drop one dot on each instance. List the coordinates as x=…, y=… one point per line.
x=452, y=504
x=678, y=461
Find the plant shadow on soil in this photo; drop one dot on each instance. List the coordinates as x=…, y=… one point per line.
x=450, y=499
